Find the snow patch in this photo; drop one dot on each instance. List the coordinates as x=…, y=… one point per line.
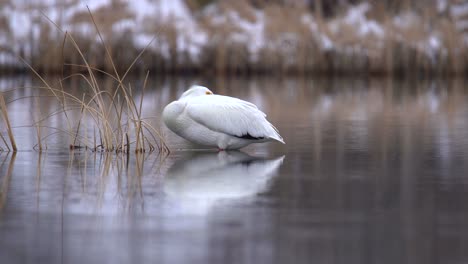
x=191, y=37
x=323, y=40
x=442, y=5
x=406, y=20
x=459, y=10
x=356, y=16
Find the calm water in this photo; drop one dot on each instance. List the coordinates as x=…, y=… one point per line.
x=374, y=171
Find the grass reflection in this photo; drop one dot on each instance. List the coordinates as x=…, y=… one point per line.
x=9, y=162
x=107, y=184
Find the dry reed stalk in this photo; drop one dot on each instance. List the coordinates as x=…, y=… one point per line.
x=138, y=122
x=127, y=93
x=73, y=146
x=104, y=108
x=38, y=127
x=221, y=55
x=7, y=121
x=4, y=142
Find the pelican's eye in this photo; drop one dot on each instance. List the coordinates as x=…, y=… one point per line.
x=208, y=93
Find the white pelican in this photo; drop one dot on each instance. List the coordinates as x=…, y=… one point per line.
x=218, y=121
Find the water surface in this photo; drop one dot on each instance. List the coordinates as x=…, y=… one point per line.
x=374, y=171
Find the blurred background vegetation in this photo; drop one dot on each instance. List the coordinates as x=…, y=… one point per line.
x=342, y=37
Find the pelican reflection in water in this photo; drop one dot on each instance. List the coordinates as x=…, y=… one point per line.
x=198, y=181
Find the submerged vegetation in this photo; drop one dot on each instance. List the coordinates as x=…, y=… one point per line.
x=108, y=120
x=402, y=37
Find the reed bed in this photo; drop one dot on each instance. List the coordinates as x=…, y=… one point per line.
x=108, y=120
x=289, y=45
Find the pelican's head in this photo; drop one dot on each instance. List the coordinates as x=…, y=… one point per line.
x=195, y=90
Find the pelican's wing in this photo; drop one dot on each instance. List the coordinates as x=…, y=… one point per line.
x=231, y=116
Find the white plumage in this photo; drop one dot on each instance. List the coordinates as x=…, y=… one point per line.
x=218, y=121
